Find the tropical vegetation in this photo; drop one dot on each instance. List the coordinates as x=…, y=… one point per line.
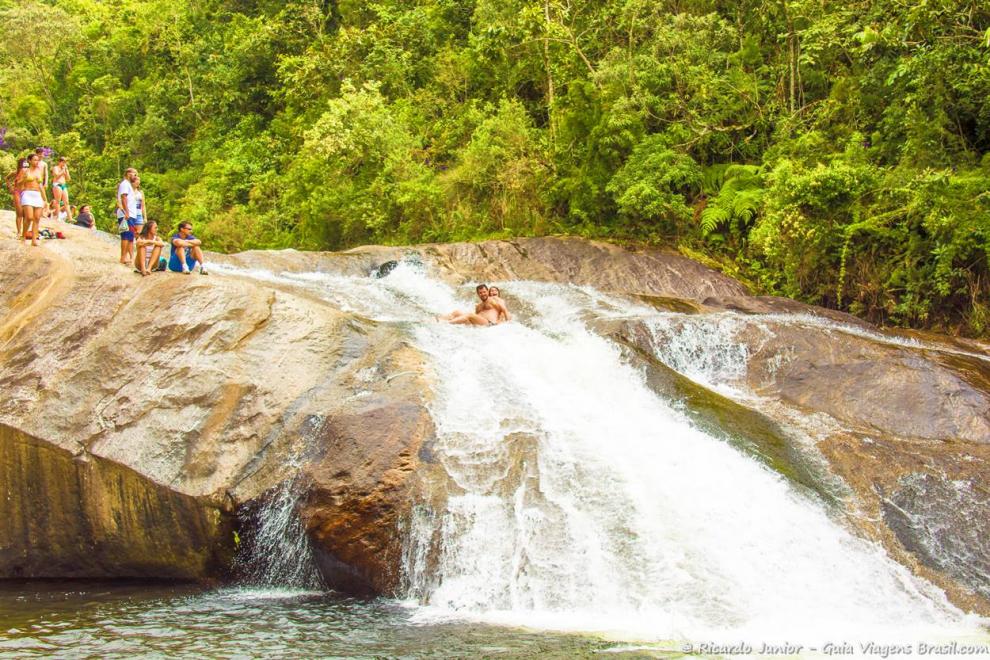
x=834, y=152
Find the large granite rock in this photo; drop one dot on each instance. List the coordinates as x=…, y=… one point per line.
x=141, y=414
x=82, y=516
x=607, y=267
x=203, y=392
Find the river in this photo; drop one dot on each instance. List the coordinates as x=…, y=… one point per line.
x=575, y=506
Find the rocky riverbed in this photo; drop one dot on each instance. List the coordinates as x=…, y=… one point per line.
x=141, y=414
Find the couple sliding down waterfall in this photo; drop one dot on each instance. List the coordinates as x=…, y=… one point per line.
x=490, y=311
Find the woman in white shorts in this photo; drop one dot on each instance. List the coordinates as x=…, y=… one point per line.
x=33, y=198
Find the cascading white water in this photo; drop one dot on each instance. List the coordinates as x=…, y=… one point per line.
x=276, y=550
x=574, y=497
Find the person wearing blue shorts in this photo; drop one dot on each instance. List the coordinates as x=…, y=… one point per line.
x=187, y=251
x=126, y=214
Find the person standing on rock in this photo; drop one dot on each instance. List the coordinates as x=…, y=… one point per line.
x=126, y=214
x=60, y=188
x=13, y=185
x=187, y=251
x=40, y=152
x=142, y=213
x=33, y=199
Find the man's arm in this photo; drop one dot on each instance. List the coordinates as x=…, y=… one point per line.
x=181, y=242
x=122, y=204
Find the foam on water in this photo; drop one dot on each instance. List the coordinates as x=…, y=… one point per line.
x=572, y=497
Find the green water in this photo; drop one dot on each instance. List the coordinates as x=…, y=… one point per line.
x=89, y=619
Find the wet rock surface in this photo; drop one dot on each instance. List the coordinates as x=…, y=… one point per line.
x=905, y=426
x=607, y=267
x=138, y=409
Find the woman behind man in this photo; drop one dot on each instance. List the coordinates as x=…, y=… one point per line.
x=149, y=249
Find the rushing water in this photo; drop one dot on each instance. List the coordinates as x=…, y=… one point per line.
x=571, y=497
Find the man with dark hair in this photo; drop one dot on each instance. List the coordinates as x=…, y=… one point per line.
x=187, y=251
x=488, y=312
x=44, y=164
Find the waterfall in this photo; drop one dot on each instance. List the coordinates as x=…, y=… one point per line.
x=275, y=550
x=572, y=496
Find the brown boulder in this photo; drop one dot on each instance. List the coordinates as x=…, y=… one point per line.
x=871, y=385
x=63, y=516
x=205, y=391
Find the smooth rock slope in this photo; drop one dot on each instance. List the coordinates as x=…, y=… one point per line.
x=140, y=414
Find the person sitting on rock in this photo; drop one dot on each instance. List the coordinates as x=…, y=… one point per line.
x=85, y=217
x=485, y=313
x=187, y=251
x=149, y=248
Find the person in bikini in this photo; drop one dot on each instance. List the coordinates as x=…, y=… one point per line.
x=487, y=312
x=60, y=188
x=13, y=185
x=30, y=182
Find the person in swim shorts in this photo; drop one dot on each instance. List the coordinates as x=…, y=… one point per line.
x=40, y=151
x=187, y=251
x=60, y=188
x=486, y=313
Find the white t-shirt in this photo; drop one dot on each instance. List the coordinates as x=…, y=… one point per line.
x=125, y=188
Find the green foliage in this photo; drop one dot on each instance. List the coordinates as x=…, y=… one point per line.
x=832, y=152
x=656, y=184
x=738, y=198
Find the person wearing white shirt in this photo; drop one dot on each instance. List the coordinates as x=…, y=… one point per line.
x=126, y=214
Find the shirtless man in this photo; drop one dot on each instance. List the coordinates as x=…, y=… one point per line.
x=490, y=311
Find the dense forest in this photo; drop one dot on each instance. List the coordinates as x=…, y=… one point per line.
x=834, y=152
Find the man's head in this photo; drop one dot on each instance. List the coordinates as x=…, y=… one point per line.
x=130, y=174
x=62, y=160
x=185, y=228
x=482, y=291
x=40, y=151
